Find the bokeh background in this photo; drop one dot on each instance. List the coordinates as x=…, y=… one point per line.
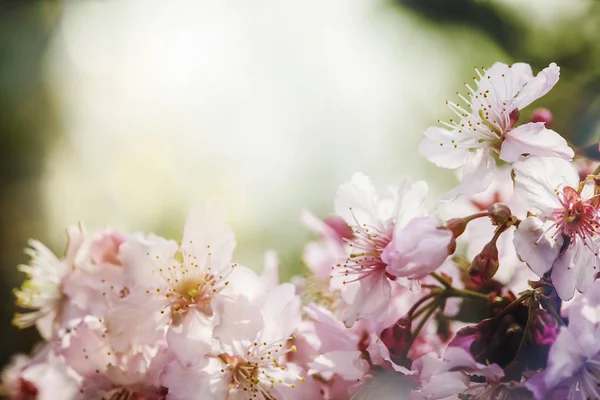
x=123, y=113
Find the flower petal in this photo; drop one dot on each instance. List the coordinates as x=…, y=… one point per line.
x=439, y=147
x=538, y=86
x=534, y=246
x=538, y=178
x=534, y=139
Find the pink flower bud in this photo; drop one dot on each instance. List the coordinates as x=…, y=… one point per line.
x=105, y=249
x=485, y=264
x=340, y=227
x=499, y=213
x=542, y=115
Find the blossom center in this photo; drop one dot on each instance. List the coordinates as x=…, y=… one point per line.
x=366, y=247
x=576, y=217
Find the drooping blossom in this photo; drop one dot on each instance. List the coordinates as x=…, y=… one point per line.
x=573, y=367
x=171, y=287
x=250, y=357
x=562, y=236
x=384, y=248
x=486, y=124
x=42, y=291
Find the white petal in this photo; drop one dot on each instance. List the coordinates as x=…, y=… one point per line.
x=281, y=313
x=438, y=147
x=348, y=364
x=573, y=269
x=192, y=339
x=476, y=175
x=143, y=257
x=371, y=299
x=504, y=82
x=191, y=383
x=356, y=200
x=538, y=86
x=206, y=234
x=411, y=202
x=538, y=178
x=566, y=357
x=536, y=140
x=535, y=247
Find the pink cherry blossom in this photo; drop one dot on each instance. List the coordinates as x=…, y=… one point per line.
x=488, y=124
x=249, y=359
x=562, y=235
x=171, y=287
x=376, y=224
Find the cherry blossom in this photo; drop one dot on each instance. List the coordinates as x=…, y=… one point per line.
x=487, y=124
x=383, y=251
x=561, y=237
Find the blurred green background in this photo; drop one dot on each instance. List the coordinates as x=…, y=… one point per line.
x=123, y=113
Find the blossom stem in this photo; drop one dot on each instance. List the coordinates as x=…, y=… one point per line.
x=552, y=311
x=431, y=309
x=421, y=301
x=466, y=294
x=422, y=310
x=441, y=280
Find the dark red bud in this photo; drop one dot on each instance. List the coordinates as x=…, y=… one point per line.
x=397, y=337
x=485, y=264
x=542, y=115
x=457, y=226
x=500, y=214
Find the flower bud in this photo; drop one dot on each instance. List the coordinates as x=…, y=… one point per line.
x=500, y=214
x=397, y=337
x=457, y=226
x=544, y=328
x=340, y=227
x=542, y=115
x=485, y=264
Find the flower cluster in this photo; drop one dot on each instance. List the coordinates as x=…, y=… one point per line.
x=491, y=294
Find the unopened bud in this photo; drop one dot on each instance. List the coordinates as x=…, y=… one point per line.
x=397, y=337
x=340, y=227
x=485, y=264
x=544, y=328
x=500, y=214
x=457, y=226
x=542, y=115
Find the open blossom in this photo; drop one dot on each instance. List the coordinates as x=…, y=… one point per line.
x=250, y=357
x=487, y=124
x=42, y=292
x=562, y=236
x=573, y=370
x=171, y=288
x=383, y=246
x=107, y=373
